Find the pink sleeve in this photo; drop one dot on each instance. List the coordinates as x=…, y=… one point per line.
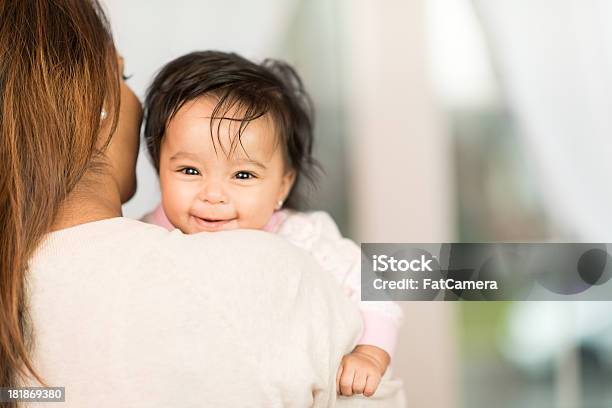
x=379, y=330
x=158, y=217
x=318, y=234
x=274, y=223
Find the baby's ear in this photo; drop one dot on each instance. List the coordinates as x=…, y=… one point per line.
x=287, y=183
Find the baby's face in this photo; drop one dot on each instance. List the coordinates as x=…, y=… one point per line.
x=204, y=190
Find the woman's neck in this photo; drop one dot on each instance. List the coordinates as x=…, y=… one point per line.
x=95, y=198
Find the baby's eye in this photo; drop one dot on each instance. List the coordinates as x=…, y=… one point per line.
x=244, y=175
x=190, y=171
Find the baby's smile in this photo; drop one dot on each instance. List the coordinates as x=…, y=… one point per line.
x=213, y=224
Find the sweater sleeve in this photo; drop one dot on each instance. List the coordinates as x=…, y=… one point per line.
x=318, y=234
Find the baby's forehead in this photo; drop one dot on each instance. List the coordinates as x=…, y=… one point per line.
x=193, y=128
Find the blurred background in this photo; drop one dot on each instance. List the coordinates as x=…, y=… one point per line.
x=440, y=121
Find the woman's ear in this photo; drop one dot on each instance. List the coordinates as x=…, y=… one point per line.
x=122, y=151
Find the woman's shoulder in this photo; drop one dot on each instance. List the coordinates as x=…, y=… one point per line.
x=144, y=265
x=231, y=247
x=146, y=249
x=149, y=270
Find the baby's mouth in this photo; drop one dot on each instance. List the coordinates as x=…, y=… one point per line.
x=212, y=223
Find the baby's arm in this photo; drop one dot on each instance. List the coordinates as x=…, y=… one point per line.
x=361, y=370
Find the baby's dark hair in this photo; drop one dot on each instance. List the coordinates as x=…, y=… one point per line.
x=243, y=88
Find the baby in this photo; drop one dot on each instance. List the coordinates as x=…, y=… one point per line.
x=231, y=141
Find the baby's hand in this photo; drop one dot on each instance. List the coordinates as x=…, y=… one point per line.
x=360, y=372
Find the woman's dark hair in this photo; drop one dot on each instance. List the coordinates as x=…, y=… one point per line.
x=58, y=70
x=244, y=91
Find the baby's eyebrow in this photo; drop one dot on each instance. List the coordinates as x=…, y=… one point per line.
x=181, y=155
x=253, y=162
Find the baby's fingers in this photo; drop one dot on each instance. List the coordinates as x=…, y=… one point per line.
x=359, y=382
x=371, y=385
x=346, y=381
x=338, y=375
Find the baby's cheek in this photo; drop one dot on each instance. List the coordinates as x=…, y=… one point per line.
x=172, y=208
x=256, y=215
x=176, y=203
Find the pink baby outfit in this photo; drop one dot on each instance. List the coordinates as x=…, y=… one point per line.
x=317, y=234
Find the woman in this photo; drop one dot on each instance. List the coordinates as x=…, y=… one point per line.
x=119, y=312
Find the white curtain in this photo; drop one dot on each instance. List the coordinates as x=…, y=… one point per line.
x=554, y=58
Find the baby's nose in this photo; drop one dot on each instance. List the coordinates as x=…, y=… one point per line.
x=214, y=193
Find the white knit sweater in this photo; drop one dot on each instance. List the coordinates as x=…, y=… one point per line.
x=127, y=314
